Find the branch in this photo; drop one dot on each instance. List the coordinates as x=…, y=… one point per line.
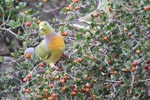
x=112, y=81
x=99, y=4
x=144, y=80
x=132, y=81
x=9, y=30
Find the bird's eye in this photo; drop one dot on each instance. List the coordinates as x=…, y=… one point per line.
x=45, y=23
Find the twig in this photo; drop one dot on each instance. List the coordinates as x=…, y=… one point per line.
x=3, y=13
x=112, y=81
x=34, y=68
x=132, y=81
x=9, y=30
x=144, y=80
x=114, y=88
x=9, y=15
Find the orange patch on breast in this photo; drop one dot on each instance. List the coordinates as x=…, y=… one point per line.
x=57, y=43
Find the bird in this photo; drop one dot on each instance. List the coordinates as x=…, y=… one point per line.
x=85, y=21
x=51, y=48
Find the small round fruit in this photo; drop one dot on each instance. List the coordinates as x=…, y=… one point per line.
x=87, y=90
x=107, y=86
x=62, y=80
x=29, y=76
x=76, y=1
x=54, y=95
x=146, y=67
x=41, y=64
x=110, y=9
x=88, y=85
x=45, y=90
x=76, y=8
x=115, y=72
x=96, y=15
x=80, y=60
x=105, y=38
x=64, y=34
x=133, y=69
x=126, y=29
x=51, y=85
x=134, y=63
x=138, y=52
x=28, y=24
x=38, y=96
x=64, y=88
x=68, y=8
x=24, y=80
x=27, y=90
x=89, y=78
x=28, y=55
x=146, y=8
x=66, y=77
x=74, y=93
x=91, y=98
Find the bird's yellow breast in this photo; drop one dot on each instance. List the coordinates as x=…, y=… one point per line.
x=57, y=44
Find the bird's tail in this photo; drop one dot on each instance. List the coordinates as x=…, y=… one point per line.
x=30, y=50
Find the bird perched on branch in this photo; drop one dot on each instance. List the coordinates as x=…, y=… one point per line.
x=102, y=8
x=51, y=47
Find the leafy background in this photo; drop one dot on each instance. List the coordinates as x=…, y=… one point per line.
x=108, y=61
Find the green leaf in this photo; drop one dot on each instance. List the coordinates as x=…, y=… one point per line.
x=79, y=36
x=1, y=58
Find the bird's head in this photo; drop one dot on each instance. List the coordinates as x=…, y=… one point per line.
x=45, y=28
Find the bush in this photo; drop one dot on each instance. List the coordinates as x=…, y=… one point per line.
x=108, y=61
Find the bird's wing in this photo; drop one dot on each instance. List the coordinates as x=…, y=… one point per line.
x=42, y=51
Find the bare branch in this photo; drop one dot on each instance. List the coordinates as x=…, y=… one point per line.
x=9, y=30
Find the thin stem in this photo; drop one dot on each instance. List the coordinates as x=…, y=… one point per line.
x=132, y=81
x=8, y=30
x=99, y=4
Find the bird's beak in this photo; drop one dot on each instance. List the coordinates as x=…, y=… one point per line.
x=41, y=31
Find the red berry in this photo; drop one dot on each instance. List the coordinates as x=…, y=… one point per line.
x=146, y=67
x=29, y=76
x=28, y=24
x=138, y=52
x=54, y=95
x=87, y=90
x=25, y=80
x=27, y=90
x=41, y=64
x=146, y=8
x=91, y=98
x=133, y=69
x=134, y=63
x=88, y=85
x=74, y=93
x=148, y=61
x=76, y=1
x=64, y=34
x=96, y=15
x=110, y=9
x=76, y=8
x=51, y=85
x=62, y=80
